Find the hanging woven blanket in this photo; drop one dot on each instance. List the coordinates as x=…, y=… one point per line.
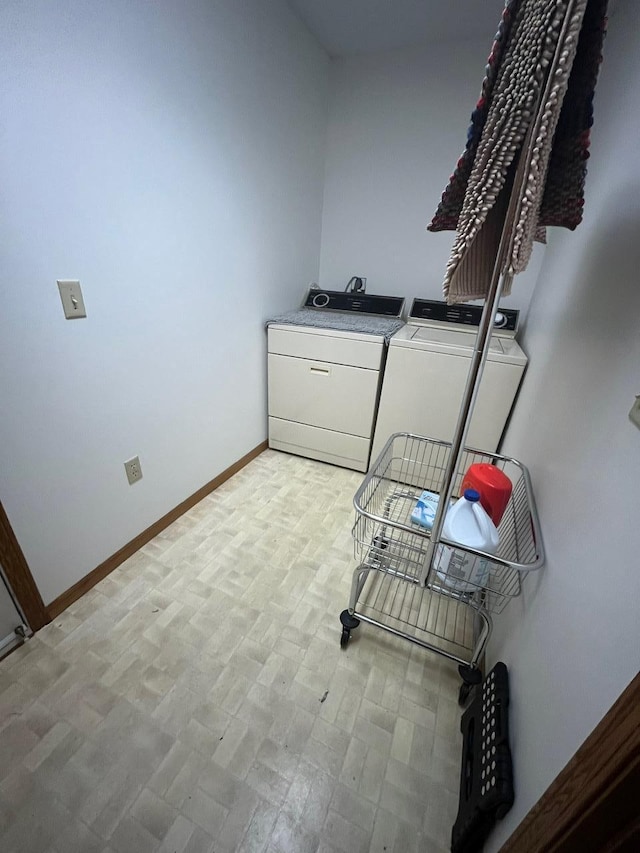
x=563, y=198
x=531, y=33
x=446, y=217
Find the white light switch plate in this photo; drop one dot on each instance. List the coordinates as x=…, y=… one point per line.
x=634, y=414
x=72, y=300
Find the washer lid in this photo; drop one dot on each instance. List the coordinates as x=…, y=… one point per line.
x=454, y=342
x=452, y=338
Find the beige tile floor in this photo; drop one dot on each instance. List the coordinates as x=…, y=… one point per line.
x=177, y=707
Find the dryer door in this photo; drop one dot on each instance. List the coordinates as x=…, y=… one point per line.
x=331, y=396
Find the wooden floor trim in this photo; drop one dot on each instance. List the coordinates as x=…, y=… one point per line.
x=595, y=795
x=89, y=581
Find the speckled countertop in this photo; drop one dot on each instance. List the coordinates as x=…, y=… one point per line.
x=342, y=321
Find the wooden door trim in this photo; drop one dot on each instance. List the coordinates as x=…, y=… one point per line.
x=594, y=798
x=19, y=576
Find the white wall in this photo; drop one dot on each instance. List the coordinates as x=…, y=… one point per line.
x=572, y=642
x=170, y=156
x=397, y=125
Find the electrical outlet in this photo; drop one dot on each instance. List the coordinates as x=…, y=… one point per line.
x=634, y=414
x=133, y=469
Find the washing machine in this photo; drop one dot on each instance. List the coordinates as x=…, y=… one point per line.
x=426, y=372
x=325, y=366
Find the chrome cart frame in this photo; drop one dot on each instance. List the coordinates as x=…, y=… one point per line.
x=400, y=588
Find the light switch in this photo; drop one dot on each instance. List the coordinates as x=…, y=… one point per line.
x=72, y=300
x=634, y=414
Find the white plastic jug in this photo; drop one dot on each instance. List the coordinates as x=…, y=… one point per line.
x=466, y=522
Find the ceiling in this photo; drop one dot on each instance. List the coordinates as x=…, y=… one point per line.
x=345, y=27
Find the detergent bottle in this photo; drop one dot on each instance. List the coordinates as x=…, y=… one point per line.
x=467, y=523
x=493, y=486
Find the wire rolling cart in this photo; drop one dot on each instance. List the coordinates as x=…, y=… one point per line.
x=404, y=585
x=400, y=585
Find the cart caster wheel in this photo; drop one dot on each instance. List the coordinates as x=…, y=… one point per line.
x=470, y=676
x=463, y=694
x=348, y=621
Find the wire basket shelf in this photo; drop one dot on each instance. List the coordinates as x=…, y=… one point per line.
x=388, y=541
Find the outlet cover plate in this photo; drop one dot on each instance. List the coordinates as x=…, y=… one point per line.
x=133, y=469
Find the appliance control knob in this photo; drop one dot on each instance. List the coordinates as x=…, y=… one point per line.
x=500, y=320
x=321, y=300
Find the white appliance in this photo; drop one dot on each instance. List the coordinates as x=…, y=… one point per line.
x=427, y=368
x=324, y=382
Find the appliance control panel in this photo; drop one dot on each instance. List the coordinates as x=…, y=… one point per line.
x=361, y=303
x=433, y=310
